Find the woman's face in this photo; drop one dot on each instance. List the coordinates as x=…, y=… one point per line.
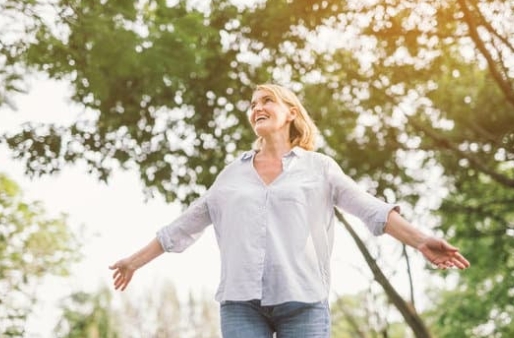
x=268, y=114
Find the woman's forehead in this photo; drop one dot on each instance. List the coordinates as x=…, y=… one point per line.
x=260, y=93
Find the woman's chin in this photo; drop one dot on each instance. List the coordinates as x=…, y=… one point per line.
x=260, y=130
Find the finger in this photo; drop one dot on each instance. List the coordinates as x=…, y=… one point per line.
x=127, y=281
x=120, y=285
x=122, y=281
x=437, y=260
x=119, y=281
x=441, y=263
x=459, y=265
x=461, y=262
x=456, y=263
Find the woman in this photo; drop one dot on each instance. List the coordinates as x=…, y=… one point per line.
x=273, y=215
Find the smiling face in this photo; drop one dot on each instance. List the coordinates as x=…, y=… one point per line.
x=269, y=114
x=276, y=113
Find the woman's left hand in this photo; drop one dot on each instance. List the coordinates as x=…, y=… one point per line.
x=443, y=255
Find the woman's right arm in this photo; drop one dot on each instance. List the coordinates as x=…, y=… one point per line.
x=124, y=268
x=175, y=237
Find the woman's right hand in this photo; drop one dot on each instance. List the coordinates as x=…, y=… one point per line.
x=123, y=272
x=124, y=268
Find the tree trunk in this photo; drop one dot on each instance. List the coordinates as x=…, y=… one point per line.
x=408, y=312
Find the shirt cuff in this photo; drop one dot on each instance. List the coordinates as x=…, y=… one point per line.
x=382, y=215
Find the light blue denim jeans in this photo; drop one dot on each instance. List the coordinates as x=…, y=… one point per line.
x=248, y=319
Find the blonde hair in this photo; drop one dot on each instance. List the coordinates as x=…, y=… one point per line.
x=303, y=131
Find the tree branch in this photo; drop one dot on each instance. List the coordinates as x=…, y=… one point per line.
x=477, y=164
x=491, y=29
x=500, y=78
x=408, y=312
x=409, y=273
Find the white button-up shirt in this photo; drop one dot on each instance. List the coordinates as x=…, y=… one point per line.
x=275, y=240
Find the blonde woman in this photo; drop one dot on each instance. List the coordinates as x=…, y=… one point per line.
x=273, y=214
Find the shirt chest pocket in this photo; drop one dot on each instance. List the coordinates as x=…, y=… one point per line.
x=300, y=191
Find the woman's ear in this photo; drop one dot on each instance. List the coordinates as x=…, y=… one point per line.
x=293, y=112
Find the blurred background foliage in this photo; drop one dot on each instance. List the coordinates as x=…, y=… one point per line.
x=414, y=99
x=32, y=245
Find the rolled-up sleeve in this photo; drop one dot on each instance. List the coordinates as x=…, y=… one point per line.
x=187, y=228
x=351, y=198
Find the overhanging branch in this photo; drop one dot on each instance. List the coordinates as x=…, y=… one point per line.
x=477, y=164
x=499, y=77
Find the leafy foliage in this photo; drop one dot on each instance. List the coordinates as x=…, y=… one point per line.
x=87, y=316
x=32, y=246
x=399, y=90
x=364, y=315
x=159, y=314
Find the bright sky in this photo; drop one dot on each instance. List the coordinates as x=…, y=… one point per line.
x=118, y=221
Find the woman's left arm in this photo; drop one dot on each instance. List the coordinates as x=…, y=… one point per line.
x=437, y=251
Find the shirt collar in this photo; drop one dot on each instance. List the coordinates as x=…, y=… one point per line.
x=297, y=151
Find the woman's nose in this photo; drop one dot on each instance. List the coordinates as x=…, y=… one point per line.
x=257, y=107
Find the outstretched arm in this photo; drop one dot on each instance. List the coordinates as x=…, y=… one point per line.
x=437, y=251
x=124, y=268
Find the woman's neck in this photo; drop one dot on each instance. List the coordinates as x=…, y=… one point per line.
x=274, y=149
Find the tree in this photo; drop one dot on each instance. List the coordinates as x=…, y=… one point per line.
x=400, y=91
x=158, y=314
x=12, y=47
x=405, y=308
x=152, y=76
x=202, y=321
x=365, y=315
x=87, y=316
x=32, y=246
x=465, y=124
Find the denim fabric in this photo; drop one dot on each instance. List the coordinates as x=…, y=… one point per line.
x=249, y=319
